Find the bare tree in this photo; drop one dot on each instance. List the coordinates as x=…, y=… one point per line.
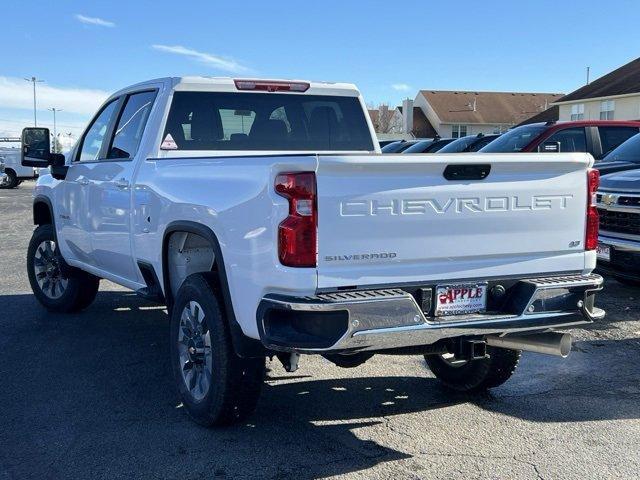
x=386, y=120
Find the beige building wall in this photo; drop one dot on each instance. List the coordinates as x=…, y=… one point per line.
x=626, y=108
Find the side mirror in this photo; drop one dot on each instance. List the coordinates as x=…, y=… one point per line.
x=549, y=147
x=36, y=147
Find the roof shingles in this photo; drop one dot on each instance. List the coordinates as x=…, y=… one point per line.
x=505, y=108
x=622, y=81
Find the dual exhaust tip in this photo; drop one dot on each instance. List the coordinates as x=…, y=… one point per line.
x=549, y=343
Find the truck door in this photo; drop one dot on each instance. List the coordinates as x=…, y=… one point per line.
x=73, y=222
x=110, y=189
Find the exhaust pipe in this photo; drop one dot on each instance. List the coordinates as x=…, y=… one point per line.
x=549, y=343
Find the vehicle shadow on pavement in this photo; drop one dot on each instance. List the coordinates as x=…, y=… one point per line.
x=90, y=396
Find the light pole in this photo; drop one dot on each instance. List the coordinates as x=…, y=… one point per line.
x=55, y=137
x=34, y=80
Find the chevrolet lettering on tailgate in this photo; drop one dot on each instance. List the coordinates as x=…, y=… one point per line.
x=356, y=208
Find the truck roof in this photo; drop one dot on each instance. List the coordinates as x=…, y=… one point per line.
x=227, y=84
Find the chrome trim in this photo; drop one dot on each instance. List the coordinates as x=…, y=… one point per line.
x=620, y=243
x=627, y=193
x=616, y=235
x=391, y=318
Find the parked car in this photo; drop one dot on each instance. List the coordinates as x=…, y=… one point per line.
x=429, y=146
x=325, y=246
x=596, y=137
x=15, y=172
x=624, y=157
x=618, y=202
x=398, y=147
x=469, y=143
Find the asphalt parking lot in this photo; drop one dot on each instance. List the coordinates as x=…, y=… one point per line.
x=90, y=396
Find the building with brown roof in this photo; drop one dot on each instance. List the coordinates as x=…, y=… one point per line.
x=460, y=113
x=615, y=96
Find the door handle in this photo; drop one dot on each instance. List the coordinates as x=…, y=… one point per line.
x=467, y=172
x=122, y=183
x=83, y=181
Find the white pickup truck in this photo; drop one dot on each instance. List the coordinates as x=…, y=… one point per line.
x=14, y=171
x=264, y=215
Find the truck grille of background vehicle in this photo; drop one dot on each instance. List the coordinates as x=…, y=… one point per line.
x=619, y=222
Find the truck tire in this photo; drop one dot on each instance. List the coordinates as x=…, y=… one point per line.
x=11, y=181
x=217, y=387
x=57, y=286
x=477, y=375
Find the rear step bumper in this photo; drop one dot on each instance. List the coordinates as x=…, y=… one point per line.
x=392, y=318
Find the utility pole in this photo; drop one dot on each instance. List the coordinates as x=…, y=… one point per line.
x=55, y=136
x=588, y=71
x=34, y=80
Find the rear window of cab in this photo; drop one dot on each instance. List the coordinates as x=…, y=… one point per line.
x=265, y=121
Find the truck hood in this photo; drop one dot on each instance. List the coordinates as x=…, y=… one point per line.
x=606, y=168
x=626, y=180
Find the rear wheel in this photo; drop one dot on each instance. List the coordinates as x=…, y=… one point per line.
x=217, y=386
x=475, y=375
x=11, y=181
x=57, y=286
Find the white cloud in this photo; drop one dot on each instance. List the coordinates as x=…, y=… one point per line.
x=18, y=93
x=94, y=21
x=221, y=63
x=401, y=87
x=12, y=127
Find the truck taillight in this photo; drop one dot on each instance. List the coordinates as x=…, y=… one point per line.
x=297, y=234
x=591, y=237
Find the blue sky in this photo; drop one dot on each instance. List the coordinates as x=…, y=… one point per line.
x=84, y=50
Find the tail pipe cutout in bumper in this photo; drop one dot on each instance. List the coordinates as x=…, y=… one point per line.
x=372, y=320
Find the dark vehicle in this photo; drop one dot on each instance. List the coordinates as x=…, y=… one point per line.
x=470, y=143
x=597, y=137
x=384, y=143
x=625, y=157
x=429, y=146
x=398, y=147
x=618, y=203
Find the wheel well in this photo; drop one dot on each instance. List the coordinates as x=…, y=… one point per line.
x=185, y=253
x=9, y=169
x=41, y=214
x=190, y=247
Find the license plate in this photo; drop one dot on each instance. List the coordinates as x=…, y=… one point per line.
x=461, y=299
x=603, y=252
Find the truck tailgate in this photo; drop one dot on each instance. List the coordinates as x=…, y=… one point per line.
x=394, y=219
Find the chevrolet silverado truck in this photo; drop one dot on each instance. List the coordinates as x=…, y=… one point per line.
x=618, y=203
x=263, y=214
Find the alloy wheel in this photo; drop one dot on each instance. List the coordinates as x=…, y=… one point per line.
x=49, y=276
x=194, y=348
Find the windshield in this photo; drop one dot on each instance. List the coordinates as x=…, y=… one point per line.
x=515, y=140
x=419, y=147
x=459, y=144
x=265, y=122
x=629, y=151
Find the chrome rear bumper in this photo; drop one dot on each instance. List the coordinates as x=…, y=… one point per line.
x=391, y=318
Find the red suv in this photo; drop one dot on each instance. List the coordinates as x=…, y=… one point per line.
x=598, y=137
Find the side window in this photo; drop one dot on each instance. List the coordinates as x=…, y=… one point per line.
x=131, y=125
x=93, y=139
x=611, y=137
x=571, y=140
